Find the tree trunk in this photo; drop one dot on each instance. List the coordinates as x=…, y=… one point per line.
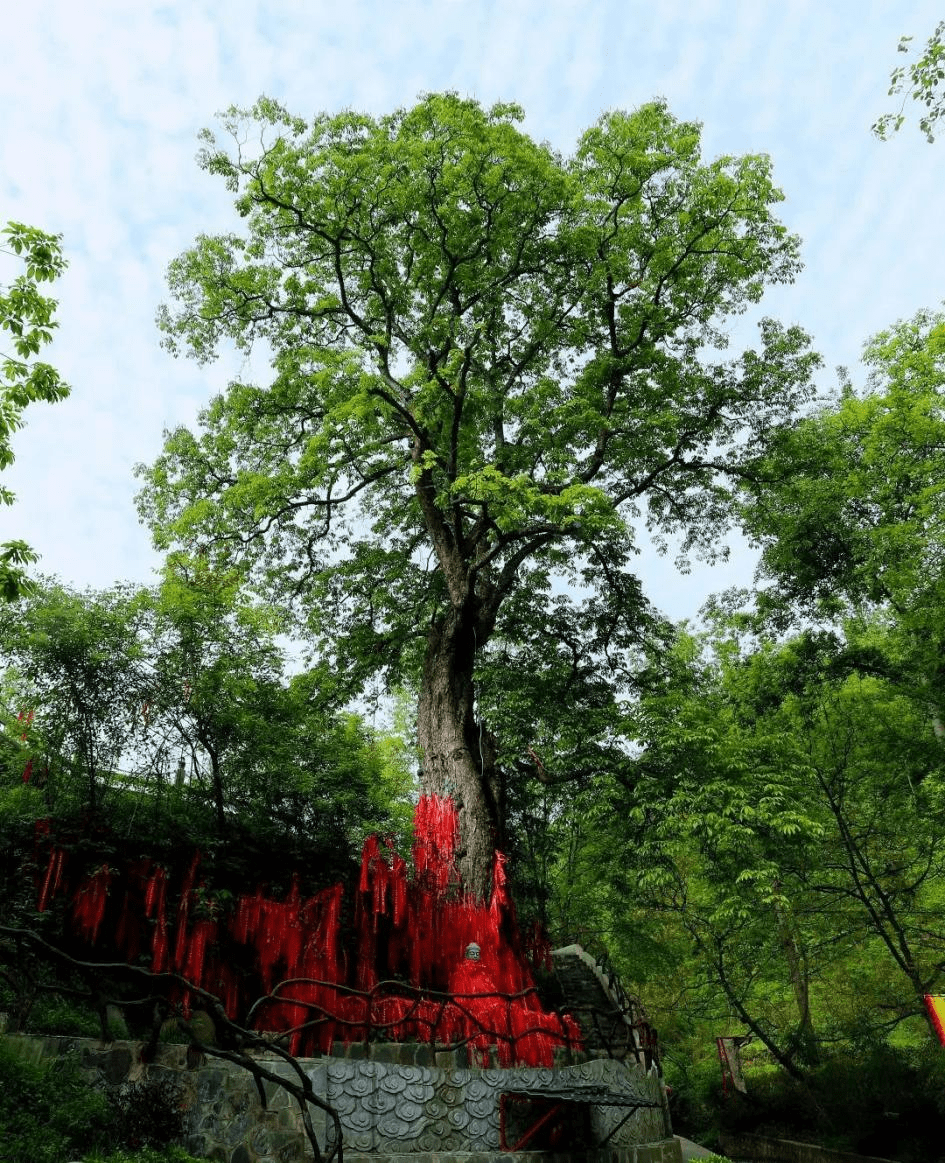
x=216, y=782
x=798, y=970
x=457, y=753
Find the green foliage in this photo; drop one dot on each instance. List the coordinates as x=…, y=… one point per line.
x=148, y=1114
x=27, y=317
x=782, y=822
x=848, y=506
x=784, y=819
x=125, y=685
x=52, y=1014
x=48, y=1112
x=487, y=361
x=75, y=661
x=53, y=1097
x=851, y=517
x=695, y=1084
x=436, y=289
x=877, y=1100
x=922, y=82
x=270, y=750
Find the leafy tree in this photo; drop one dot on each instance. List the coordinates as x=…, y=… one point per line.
x=488, y=360
x=922, y=81
x=181, y=693
x=555, y=701
x=274, y=758
x=76, y=662
x=787, y=812
x=215, y=662
x=851, y=519
x=27, y=315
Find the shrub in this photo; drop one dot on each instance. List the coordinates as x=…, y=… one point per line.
x=871, y=1098
x=57, y=1015
x=148, y=1114
x=48, y=1112
x=696, y=1103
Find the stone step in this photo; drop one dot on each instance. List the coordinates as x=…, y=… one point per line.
x=587, y=993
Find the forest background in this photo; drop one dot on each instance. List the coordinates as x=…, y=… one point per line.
x=749, y=815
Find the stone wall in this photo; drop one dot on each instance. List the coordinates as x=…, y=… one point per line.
x=402, y=1103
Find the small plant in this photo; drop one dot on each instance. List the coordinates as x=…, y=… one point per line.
x=48, y=1112
x=57, y=1015
x=148, y=1114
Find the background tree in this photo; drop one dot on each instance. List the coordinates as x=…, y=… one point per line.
x=170, y=712
x=922, y=81
x=215, y=664
x=274, y=758
x=851, y=515
x=75, y=661
x=488, y=362
x=556, y=702
x=786, y=815
x=27, y=315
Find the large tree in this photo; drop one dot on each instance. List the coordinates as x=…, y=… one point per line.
x=851, y=520
x=785, y=812
x=488, y=361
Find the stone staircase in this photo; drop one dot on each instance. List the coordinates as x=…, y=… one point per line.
x=613, y=1024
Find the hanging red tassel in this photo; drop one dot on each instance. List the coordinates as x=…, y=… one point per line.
x=128, y=932
x=204, y=934
x=89, y=903
x=159, y=946
x=398, y=873
x=328, y=939
x=246, y=920
x=155, y=892
x=183, y=910
x=366, y=965
x=369, y=855
x=53, y=878
x=500, y=895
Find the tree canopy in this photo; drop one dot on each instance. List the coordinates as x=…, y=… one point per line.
x=851, y=521
x=785, y=813
x=28, y=317
x=170, y=711
x=922, y=80
x=488, y=361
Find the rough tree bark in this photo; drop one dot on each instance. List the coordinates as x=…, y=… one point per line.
x=457, y=752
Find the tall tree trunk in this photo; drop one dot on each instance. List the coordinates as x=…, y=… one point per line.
x=457, y=753
x=216, y=781
x=798, y=970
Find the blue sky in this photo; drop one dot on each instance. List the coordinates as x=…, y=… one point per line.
x=102, y=103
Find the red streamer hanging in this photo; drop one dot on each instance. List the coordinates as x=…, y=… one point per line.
x=415, y=924
x=89, y=903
